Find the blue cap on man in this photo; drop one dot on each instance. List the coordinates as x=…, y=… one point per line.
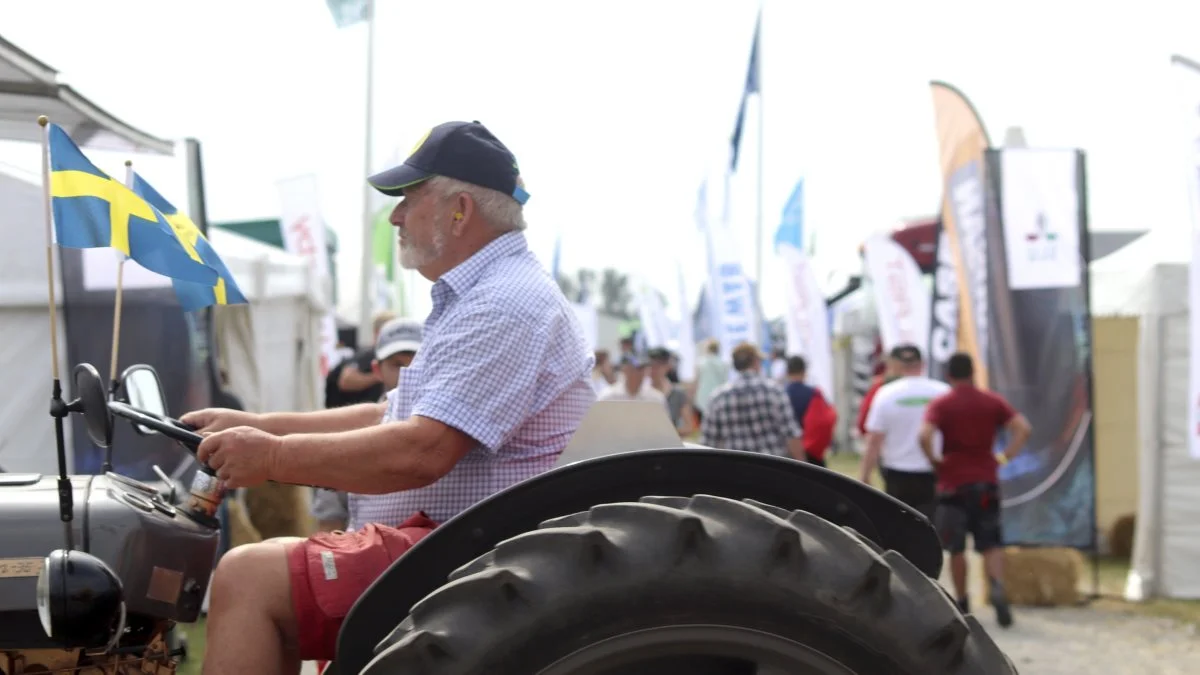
x=465, y=151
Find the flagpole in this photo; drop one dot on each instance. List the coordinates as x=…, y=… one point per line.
x=758, y=224
x=58, y=407
x=365, y=335
x=758, y=229
x=116, y=334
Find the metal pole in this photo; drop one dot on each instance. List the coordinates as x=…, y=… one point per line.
x=366, y=336
x=758, y=227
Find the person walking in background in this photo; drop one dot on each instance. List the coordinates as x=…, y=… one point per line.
x=353, y=381
x=711, y=372
x=395, y=347
x=893, y=430
x=967, y=476
x=814, y=414
x=676, y=398
x=891, y=371
x=632, y=385
x=602, y=373
x=751, y=413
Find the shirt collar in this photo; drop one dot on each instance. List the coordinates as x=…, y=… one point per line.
x=464, y=275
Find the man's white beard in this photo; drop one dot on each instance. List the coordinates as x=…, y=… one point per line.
x=412, y=257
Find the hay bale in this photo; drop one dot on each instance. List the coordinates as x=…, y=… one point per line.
x=280, y=510
x=1120, y=537
x=1042, y=577
x=241, y=530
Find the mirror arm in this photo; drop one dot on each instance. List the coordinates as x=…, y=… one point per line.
x=60, y=408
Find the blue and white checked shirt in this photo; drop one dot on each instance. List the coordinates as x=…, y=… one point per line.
x=504, y=360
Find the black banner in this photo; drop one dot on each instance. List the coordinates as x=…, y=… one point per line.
x=1039, y=342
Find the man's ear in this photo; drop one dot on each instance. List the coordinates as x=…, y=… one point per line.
x=464, y=209
x=375, y=368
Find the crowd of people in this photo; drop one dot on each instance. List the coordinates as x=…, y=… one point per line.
x=931, y=442
x=488, y=391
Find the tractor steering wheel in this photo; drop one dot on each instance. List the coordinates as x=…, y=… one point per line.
x=167, y=426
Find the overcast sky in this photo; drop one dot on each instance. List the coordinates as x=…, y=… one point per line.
x=616, y=109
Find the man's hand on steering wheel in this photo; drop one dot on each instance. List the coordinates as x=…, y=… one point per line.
x=211, y=420
x=241, y=456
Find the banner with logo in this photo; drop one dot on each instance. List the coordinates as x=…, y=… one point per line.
x=733, y=315
x=943, y=313
x=901, y=297
x=1040, y=343
x=303, y=232
x=1187, y=78
x=807, y=319
x=962, y=141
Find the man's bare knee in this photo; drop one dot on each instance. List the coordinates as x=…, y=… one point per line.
x=255, y=573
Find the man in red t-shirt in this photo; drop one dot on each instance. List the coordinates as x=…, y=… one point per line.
x=968, y=488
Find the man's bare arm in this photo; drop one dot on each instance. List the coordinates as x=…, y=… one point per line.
x=333, y=420
x=871, y=457
x=353, y=379
x=378, y=459
x=1019, y=430
x=925, y=438
x=796, y=448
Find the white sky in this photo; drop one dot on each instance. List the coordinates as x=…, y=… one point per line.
x=616, y=109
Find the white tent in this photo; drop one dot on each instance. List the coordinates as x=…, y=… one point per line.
x=1148, y=280
x=269, y=348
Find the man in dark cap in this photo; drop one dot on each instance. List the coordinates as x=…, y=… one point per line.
x=500, y=384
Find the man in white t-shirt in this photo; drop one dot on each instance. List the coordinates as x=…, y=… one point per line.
x=633, y=384
x=893, y=430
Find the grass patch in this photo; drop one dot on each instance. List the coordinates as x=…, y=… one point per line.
x=195, y=646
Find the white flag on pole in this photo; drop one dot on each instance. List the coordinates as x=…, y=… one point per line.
x=687, y=341
x=901, y=297
x=303, y=232
x=807, y=320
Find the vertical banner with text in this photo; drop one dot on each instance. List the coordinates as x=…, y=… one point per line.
x=304, y=236
x=962, y=141
x=807, y=319
x=1040, y=347
x=901, y=298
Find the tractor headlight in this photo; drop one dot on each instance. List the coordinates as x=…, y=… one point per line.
x=80, y=600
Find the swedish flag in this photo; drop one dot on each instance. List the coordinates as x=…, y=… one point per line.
x=193, y=295
x=91, y=210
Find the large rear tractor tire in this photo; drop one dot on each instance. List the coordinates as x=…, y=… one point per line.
x=699, y=585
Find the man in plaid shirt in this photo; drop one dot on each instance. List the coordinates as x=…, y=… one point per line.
x=499, y=386
x=751, y=413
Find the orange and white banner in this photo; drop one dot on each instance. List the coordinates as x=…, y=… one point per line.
x=962, y=142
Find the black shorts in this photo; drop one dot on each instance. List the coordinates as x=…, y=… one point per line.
x=813, y=460
x=973, y=508
x=918, y=489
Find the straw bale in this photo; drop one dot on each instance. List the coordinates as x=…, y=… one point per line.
x=1042, y=577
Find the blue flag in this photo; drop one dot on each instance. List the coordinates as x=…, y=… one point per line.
x=753, y=86
x=791, y=226
x=91, y=210
x=193, y=296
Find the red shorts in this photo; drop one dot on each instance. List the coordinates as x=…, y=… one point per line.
x=329, y=571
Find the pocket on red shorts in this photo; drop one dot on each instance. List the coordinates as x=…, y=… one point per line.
x=342, y=566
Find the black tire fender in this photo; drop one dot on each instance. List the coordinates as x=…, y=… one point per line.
x=620, y=567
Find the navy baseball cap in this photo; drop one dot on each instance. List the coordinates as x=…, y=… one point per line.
x=466, y=151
